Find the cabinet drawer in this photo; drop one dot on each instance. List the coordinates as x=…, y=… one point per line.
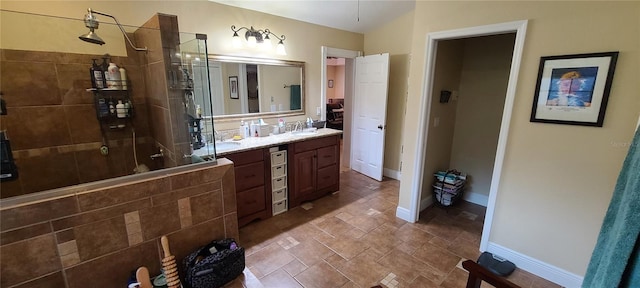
x=279, y=207
x=278, y=157
x=279, y=171
x=251, y=201
x=327, y=177
x=279, y=195
x=316, y=143
x=242, y=158
x=248, y=176
x=327, y=156
x=279, y=183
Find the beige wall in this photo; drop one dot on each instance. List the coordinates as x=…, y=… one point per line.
x=386, y=39
x=339, y=82
x=557, y=180
x=483, y=86
x=440, y=139
x=272, y=92
x=215, y=20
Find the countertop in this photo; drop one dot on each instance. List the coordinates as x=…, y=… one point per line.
x=231, y=146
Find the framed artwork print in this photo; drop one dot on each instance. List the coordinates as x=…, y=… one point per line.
x=573, y=89
x=233, y=87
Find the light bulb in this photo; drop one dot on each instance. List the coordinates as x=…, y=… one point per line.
x=237, y=43
x=266, y=43
x=280, y=49
x=252, y=41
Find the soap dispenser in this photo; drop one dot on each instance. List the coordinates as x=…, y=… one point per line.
x=120, y=110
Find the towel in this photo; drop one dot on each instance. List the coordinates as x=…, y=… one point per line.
x=616, y=249
x=296, y=99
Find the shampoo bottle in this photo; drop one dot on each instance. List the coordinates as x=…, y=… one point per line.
x=120, y=110
x=123, y=78
x=114, y=76
x=97, y=76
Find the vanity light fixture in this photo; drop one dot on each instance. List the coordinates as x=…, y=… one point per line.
x=259, y=38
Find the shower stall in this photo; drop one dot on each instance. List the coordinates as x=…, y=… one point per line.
x=63, y=131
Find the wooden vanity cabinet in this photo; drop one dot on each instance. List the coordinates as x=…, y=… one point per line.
x=315, y=169
x=253, y=184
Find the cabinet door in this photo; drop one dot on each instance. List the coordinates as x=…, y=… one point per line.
x=305, y=173
x=250, y=201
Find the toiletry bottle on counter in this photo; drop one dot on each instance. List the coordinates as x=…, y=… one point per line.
x=253, y=132
x=120, y=110
x=241, y=129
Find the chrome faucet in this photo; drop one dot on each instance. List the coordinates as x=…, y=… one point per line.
x=218, y=136
x=298, y=124
x=158, y=155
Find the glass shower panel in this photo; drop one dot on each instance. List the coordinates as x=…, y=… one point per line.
x=194, y=81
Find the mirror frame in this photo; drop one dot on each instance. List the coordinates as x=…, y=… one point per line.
x=263, y=61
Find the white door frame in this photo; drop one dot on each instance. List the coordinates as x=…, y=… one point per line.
x=520, y=28
x=331, y=52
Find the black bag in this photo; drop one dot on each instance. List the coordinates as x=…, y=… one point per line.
x=203, y=269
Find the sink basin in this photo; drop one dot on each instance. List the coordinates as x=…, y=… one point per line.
x=222, y=146
x=305, y=132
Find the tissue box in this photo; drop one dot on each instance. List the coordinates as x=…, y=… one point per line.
x=263, y=130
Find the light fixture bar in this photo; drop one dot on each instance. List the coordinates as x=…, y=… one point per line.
x=257, y=36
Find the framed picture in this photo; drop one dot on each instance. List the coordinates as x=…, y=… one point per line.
x=233, y=87
x=330, y=83
x=573, y=89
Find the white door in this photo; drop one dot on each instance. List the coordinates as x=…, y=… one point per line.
x=217, y=91
x=369, y=115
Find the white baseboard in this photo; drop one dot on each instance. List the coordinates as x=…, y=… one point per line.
x=425, y=202
x=404, y=214
x=476, y=198
x=547, y=271
x=393, y=174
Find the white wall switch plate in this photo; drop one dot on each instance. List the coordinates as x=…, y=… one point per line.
x=318, y=111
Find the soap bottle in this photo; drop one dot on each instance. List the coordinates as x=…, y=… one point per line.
x=241, y=129
x=112, y=108
x=120, y=111
x=123, y=78
x=97, y=75
x=252, y=130
x=114, y=76
x=127, y=108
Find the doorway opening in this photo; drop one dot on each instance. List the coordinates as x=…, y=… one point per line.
x=418, y=185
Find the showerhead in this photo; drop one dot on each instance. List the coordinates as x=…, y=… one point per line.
x=92, y=23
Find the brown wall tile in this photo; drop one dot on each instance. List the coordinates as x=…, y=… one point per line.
x=229, y=187
x=93, y=166
x=24, y=233
x=83, y=125
x=73, y=80
x=36, y=127
x=231, y=226
x=48, y=172
x=206, y=206
x=39, y=212
x=97, y=215
x=174, y=195
x=65, y=236
x=30, y=84
x=101, y=237
x=25, y=260
x=52, y=280
x=156, y=85
x=121, y=194
x=120, y=265
x=197, y=177
x=161, y=127
x=10, y=188
x=159, y=220
x=30, y=56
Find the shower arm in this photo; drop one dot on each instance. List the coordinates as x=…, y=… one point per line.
x=121, y=29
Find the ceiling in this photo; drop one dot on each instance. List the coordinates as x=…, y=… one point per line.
x=340, y=14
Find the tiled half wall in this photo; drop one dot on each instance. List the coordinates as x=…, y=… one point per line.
x=97, y=238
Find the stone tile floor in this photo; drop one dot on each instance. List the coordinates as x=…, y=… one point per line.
x=353, y=239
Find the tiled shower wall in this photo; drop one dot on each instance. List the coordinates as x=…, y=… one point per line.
x=165, y=103
x=97, y=238
x=52, y=125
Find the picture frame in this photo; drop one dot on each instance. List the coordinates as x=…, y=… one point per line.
x=573, y=89
x=330, y=83
x=233, y=87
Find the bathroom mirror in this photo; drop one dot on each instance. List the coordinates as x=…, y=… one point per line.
x=253, y=87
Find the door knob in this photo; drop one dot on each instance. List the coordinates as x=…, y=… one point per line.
x=380, y=127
